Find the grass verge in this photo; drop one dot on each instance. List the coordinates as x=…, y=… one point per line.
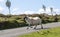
x=53, y=32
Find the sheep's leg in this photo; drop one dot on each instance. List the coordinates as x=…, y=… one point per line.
x=28, y=26
x=41, y=26
x=35, y=26
x=31, y=27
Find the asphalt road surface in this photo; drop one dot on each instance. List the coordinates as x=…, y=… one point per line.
x=20, y=31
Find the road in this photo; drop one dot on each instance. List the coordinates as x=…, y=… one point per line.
x=19, y=31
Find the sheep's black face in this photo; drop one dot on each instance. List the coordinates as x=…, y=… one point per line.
x=25, y=17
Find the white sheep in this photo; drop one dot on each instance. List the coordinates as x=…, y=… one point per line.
x=33, y=21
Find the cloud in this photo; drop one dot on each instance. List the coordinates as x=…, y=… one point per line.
x=57, y=10
x=1, y=9
x=40, y=11
x=17, y=13
x=48, y=11
x=1, y=0
x=15, y=9
x=29, y=12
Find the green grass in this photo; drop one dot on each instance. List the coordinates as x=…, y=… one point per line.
x=54, y=32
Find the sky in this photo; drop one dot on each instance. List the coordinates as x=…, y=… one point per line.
x=30, y=6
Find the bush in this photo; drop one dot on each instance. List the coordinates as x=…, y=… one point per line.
x=18, y=21
x=8, y=25
x=56, y=20
x=11, y=24
x=22, y=23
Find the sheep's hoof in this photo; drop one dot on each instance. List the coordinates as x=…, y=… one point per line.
x=27, y=28
x=34, y=28
x=41, y=27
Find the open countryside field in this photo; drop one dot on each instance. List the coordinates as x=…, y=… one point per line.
x=17, y=15
x=53, y=32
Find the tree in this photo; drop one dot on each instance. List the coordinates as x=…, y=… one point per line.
x=56, y=19
x=8, y=4
x=44, y=7
x=51, y=11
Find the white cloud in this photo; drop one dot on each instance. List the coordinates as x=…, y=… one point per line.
x=15, y=9
x=29, y=12
x=1, y=9
x=48, y=11
x=57, y=10
x=40, y=11
x=1, y=0
x=17, y=13
x=14, y=13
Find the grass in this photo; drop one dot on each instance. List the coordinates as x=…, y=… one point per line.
x=54, y=32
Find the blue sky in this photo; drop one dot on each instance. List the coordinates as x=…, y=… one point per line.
x=30, y=6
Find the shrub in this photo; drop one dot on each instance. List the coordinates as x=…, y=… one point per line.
x=12, y=24
x=8, y=25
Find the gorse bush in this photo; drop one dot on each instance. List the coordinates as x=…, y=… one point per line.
x=8, y=24
x=11, y=24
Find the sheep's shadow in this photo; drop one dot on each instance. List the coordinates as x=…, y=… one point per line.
x=40, y=28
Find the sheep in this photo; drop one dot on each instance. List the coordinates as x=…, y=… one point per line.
x=33, y=21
